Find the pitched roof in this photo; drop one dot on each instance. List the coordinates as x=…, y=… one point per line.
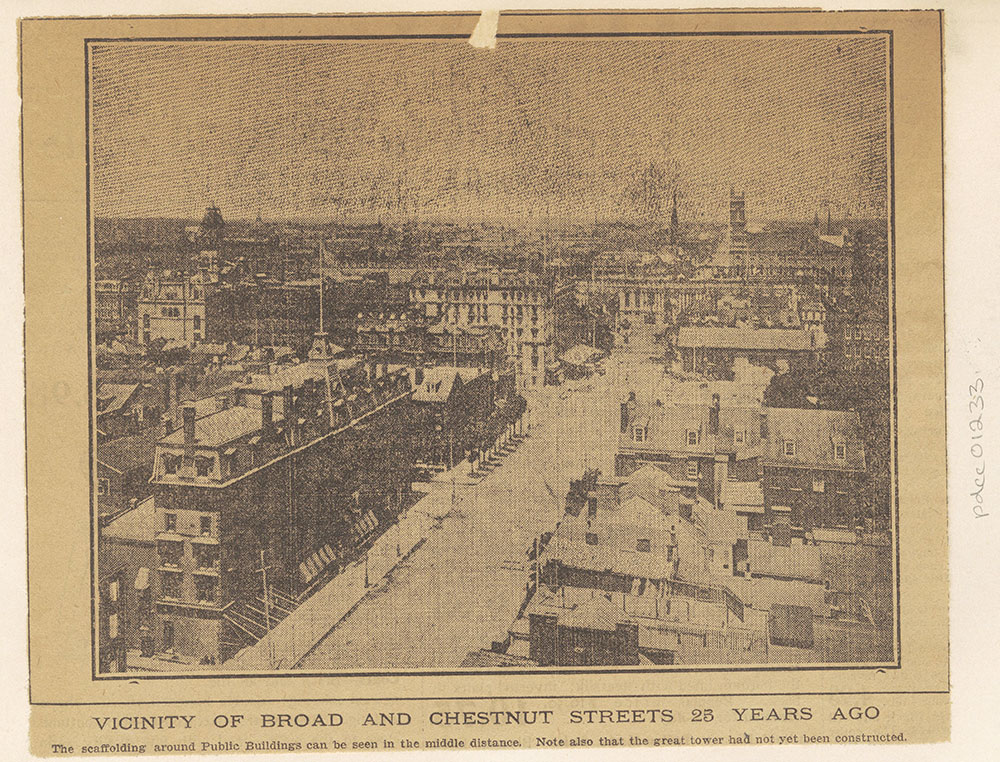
x=440, y=380
x=137, y=523
x=815, y=433
x=126, y=454
x=750, y=338
x=219, y=428
x=668, y=426
x=115, y=397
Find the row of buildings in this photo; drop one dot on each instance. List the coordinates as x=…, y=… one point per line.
x=729, y=534
x=294, y=470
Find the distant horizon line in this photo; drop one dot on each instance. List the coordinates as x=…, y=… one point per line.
x=533, y=221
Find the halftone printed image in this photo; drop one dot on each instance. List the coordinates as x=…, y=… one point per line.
x=578, y=352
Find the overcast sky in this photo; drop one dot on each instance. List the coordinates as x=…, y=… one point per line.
x=536, y=128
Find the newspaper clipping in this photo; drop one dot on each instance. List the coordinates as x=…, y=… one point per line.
x=484, y=381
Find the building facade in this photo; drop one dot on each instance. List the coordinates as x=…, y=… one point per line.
x=809, y=464
x=295, y=472
x=520, y=305
x=114, y=309
x=171, y=306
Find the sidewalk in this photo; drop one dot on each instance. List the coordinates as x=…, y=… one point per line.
x=296, y=635
x=292, y=638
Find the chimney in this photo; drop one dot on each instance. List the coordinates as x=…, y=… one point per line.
x=167, y=392
x=720, y=474
x=763, y=425
x=188, y=412
x=266, y=413
x=175, y=376
x=713, y=416
x=224, y=401
x=627, y=635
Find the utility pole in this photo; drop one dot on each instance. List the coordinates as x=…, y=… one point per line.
x=267, y=607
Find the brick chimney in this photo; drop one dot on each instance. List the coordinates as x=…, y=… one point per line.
x=713, y=416
x=627, y=635
x=175, y=378
x=266, y=413
x=167, y=391
x=188, y=414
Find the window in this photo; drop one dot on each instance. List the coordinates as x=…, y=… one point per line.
x=171, y=552
x=692, y=437
x=740, y=436
x=840, y=451
x=788, y=448
x=639, y=434
x=205, y=556
x=692, y=469
x=145, y=320
x=591, y=507
x=204, y=587
x=113, y=590
x=103, y=487
x=168, y=636
x=170, y=464
x=171, y=582
x=197, y=322
x=206, y=525
x=170, y=522
x=819, y=485
x=203, y=466
x=113, y=626
x=591, y=538
x=643, y=546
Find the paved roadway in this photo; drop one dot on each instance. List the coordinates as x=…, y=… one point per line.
x=461, y=590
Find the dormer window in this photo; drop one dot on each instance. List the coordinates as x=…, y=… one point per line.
x=788, y=448
x=171, y=463
x=840, y=451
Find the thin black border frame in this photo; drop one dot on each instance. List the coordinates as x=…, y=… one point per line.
x=417, y=673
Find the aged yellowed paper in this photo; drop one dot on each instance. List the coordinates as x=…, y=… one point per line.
x=550, y=380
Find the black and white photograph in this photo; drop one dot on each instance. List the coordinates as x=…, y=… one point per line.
x=569, y=353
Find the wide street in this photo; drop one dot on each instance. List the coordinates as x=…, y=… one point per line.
x=462, y=588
